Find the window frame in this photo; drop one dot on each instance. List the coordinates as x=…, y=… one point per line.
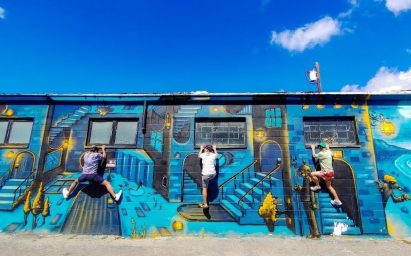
x=221, y=119
x=114, y=125
x=334, y=118
x=10, y=121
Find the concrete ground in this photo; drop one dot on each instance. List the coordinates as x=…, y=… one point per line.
x=44, y=245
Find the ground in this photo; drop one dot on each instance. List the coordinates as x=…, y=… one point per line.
x=44, y=245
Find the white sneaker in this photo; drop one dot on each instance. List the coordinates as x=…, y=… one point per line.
x=118, y=196
x=336, y=202
x=315, y=188
x=65, y=193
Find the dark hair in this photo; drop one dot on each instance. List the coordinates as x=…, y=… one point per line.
x=209, y=148
x=94, y=149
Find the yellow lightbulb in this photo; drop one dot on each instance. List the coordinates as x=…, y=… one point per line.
x=260, y=134
x=10, y=154
x=9, y=112
x=387, y=128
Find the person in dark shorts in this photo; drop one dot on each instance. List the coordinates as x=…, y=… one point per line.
x=90, y=167
x=208, y=172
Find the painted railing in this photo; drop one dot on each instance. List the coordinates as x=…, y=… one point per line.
x=251, y=190
x=25, y=184
x=234, y=178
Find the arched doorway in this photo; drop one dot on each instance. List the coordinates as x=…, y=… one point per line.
x=270, y=152
x=344, y=184
x=23, y=165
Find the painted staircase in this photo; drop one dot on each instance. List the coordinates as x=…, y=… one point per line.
x=247, y=212
x=67, y=121
x=10, y=192
x=183, y=117
x=331, y=214
x=192, y=192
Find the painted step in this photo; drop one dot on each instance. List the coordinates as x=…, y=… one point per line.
x=248, y=186
x=14, y=182
x=192, y=198
x=191, y=186
x=248, y=198
x=265, y=183
x=342, y=216
x=330, y=222
x=230, y=208
x=260, y=175
x=234, y=201
x=350, y=231
x=330, y=209
x=6, y=196
x=192, y=191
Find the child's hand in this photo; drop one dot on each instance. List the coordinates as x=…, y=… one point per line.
x=313, y=147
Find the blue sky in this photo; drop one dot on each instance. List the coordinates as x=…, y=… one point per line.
x=102, y=46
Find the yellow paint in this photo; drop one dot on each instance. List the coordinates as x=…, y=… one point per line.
x=177, y=225
x=9, y=112
x=27, y=206
x=306, y=106
x=338, y=154
x=268, y=209
x=320, y=106
x=387, y=128
x=337, y=105
x=214, y=109
x=10, y=154
x=260, y=134
x=389, y=178
x=354, y=104
x=167, y=121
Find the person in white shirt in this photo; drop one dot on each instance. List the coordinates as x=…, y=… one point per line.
x=326, y=173
x=208, y=171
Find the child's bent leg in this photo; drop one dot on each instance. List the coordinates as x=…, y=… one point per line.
x=109, y=188
x=72, y=186
x=332, y=190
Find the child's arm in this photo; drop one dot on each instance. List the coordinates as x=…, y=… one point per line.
x=215, y=149
x=201, y=150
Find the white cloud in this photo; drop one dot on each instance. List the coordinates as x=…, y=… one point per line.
x=308, y=36
x=408, y=51
x=385, y=80
x=398, y=6
x=2, y=11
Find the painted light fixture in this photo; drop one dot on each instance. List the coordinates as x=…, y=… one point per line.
x=10, y=154
x=178, y=225
x=387, y=128
x=337, y=104
x=260, y=134
x=305, y=103
x=167, y=121
x=65, y=143
x=354, y=103
x=214, y=109
x=9, y=112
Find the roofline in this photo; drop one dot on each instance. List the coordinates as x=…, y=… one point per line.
x=404, y=92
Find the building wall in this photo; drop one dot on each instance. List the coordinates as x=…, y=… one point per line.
x=258, y=188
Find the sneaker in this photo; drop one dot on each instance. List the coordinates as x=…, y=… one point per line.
x=336, y=202
x=65, y=193
x=315, y=188
x=203, y=206
x=118, y=196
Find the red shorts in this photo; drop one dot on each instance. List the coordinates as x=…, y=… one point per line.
x=327, y=174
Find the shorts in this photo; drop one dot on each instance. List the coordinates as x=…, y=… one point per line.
x=205, y=179
x=327, y=174
x=91, y=177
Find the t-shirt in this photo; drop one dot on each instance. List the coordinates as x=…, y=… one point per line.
x=207, y=160
x=91, y=161
x=326, y=160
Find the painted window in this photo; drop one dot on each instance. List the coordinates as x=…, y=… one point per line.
x=15, y=132
x=224, y=132
x=273, y=118
x=113, y=132
x=341, y=131
x=157, y=140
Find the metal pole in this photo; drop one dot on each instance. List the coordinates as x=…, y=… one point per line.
x=317, y=69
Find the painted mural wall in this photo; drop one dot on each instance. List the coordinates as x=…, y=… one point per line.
x=262, y=183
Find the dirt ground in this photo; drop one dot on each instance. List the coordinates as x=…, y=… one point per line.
x=29, y=244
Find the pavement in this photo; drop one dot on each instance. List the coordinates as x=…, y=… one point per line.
x=67, y=245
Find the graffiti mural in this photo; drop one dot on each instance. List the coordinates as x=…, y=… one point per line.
x=264, y=159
